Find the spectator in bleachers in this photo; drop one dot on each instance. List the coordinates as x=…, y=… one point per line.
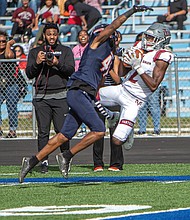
x=48, y=10
x=34, y=4
x=177, y=11
x=83, y=38
x=19, y=52
x=3, y=7
x=9, y=90
x=88, y=14
x=96, y=4
x=24, y=20
x=73, y=24
x=47, y=13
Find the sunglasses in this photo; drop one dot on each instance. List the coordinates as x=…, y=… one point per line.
x=17, y=51
x=3, y=41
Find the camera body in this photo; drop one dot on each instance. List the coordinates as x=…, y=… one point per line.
x=49, y=54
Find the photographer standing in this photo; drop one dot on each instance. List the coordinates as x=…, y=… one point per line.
x=51, y=65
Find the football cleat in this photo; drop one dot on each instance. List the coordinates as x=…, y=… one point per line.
x=25, y=169
x=64, y=164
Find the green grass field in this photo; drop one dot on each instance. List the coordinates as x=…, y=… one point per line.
x=158, y=195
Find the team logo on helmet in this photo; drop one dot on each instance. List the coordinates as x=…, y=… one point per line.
x=161, y=37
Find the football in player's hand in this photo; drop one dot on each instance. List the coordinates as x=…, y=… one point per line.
x=133, y=53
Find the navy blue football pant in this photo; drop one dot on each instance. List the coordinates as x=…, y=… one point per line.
x=81, y=110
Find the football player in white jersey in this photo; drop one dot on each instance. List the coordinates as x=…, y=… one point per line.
x=143, y=78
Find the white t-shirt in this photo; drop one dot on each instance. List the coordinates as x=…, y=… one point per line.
x=54, y=10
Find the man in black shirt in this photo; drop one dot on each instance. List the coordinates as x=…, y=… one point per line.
x=51, y=65
x=177, y=11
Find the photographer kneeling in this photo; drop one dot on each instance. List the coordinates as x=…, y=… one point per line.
x=51, y=65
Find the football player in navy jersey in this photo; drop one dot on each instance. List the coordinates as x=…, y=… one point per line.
x=82, y=87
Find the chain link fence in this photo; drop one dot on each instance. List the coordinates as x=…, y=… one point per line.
x=174, y=100
x=16, y=100
x=174, y=94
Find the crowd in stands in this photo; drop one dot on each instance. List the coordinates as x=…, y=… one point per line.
x=71, y=15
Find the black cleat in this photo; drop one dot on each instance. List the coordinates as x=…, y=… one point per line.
x=64, y=165
x=25, y=169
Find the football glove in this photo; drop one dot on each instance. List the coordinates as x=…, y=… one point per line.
x=129, y=57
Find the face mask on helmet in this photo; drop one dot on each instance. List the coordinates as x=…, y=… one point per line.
x=156, y=37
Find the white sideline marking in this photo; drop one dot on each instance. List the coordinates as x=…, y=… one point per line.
x=84, y=173
x=177, y=181
x=68, y=210
x=8, y=174
x=147, y=172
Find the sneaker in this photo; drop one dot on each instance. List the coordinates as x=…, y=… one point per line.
x=64, y=164
x=112, y=122
x=25, y=168
x=44, y=167
x=115, y=169
x=129, y=142
x=98, y=169
x=143, y=133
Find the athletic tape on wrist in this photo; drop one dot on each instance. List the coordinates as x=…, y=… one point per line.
x=140, y=71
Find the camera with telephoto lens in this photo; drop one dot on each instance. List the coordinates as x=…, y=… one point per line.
x=49, y=54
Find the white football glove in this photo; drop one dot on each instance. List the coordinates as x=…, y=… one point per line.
x=129, y=57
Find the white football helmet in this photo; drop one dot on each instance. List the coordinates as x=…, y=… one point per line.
x=161, y=37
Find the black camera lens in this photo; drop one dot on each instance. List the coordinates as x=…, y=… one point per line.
x=49, y=54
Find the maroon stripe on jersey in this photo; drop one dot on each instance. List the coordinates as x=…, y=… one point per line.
x=157, y=55
x=127, y=122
